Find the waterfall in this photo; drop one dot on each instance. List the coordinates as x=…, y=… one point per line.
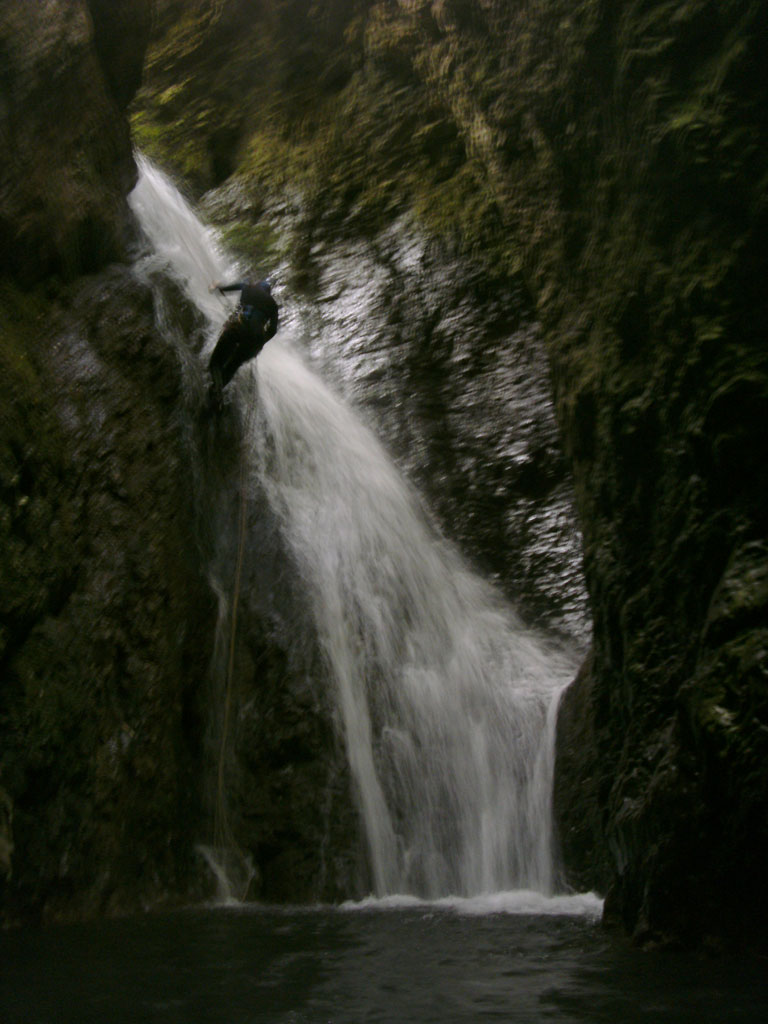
x=447, y=701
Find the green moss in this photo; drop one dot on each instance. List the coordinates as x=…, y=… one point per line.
x=359, y=146
x=257, y=244
x=179, y=148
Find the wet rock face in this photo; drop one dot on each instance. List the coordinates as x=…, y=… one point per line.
x=68, y=161
x=119, y=519
x=455, y=383
x=105, y=616
x=658, y=327
x=290, y=790
x=275, y=784
x=452, y=377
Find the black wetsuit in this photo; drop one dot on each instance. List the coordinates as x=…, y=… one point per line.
x=245, y=333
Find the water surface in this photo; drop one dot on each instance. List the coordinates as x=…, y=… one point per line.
x=400, y=964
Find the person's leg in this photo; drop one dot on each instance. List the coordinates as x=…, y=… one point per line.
x=215, y=391
x=252, y=340
x=226, y=347
x=251, y=346
x=249, y=342
x=222, y=363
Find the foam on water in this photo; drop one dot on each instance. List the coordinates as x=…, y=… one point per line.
x=518, y=901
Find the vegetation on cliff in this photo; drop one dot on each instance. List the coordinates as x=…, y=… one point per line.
x=319, y=102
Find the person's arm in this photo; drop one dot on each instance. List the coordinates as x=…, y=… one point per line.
x=218, y=286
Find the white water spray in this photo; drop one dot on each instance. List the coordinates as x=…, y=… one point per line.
x=446, y=700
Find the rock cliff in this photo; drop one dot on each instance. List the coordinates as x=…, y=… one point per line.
x=102, y=602
x=67, y=78
x=605, y=160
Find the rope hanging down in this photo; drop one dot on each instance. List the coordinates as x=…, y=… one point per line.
x=223, y=836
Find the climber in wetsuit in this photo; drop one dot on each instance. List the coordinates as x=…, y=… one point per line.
x=244, y=335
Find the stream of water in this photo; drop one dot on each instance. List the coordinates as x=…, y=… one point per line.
x=447, y=700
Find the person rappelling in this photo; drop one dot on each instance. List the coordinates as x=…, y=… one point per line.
x=243, y=336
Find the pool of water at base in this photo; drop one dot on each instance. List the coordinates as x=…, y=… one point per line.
x=420, y=964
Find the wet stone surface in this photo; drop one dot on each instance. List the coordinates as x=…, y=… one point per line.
x=455, y=383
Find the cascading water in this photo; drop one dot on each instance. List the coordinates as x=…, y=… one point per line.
x=446, y=700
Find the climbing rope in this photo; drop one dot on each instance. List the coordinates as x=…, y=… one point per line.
x=223, y=835
x=233, y=628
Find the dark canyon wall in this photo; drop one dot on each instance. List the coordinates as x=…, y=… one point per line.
x=102, y=605
x=605, y=161
x=107, y=619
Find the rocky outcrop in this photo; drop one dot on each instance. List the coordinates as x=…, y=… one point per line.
x=646, y=264
x=606, y=157
x=106, y=617
x=121, y=32
x=68, y=73
x=104, y=614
